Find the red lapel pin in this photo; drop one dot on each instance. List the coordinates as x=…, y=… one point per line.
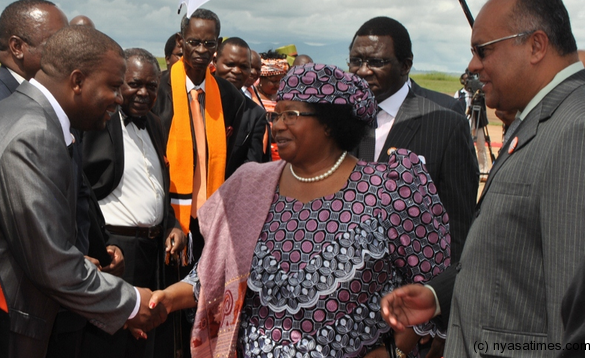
x=513, y=145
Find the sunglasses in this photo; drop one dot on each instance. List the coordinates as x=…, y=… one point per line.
x=209, y=44
x=479, y=50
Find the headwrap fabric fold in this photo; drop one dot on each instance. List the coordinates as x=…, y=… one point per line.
x=180, y=144
x=320, y=83
x=274, y=67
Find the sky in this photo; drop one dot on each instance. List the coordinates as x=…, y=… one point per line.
x=323, y=29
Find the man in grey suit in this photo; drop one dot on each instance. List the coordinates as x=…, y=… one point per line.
x=40, y=268
x=527, y=240
x=381, y=53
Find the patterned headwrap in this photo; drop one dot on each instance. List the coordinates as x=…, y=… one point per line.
x=319, y=83
x=274, y=66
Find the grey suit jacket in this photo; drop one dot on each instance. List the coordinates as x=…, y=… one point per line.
x=40, y=267
x=527, y=240
x=443, y=138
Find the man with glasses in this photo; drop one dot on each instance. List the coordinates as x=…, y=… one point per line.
x=215, y=128
x=381, y=54
x=527, y=240
x=209, y=134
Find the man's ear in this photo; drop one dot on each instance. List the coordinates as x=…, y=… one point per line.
x=77, y=79
x=15, y=44
x=407, y=65
x=180, y=40
x=539, y=42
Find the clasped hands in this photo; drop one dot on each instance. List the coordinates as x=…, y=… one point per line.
x=149, y=316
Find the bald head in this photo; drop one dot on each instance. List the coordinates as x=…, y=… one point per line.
x=82, y=20
x=256, y=68
x=302, y=60
x=25, y=27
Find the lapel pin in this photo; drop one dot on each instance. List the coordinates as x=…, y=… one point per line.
x=391, y=150
x=513, y=145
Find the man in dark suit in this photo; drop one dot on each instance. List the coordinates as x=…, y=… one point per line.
x=125, y=165
x=527, y=240
x=242, y=130
x=442, y=99
x=40, y=267
x=25, y=26
x=208, y=138
x=381, y=54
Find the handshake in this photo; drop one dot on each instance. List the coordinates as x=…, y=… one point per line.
x=148, y=317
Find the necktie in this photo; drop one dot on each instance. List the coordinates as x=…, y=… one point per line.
x=199, y=188
x=140, y=122
x=510, y=131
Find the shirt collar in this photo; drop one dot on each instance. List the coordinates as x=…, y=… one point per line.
x=559, y=77
x=62, y=117
x=20, y=79
x=190, y=85
x=392, y=104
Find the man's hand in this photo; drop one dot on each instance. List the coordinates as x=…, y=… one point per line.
x=407, y=306
x=117, y=265
x=174, y=244
x=94, y=261
x=146, y=318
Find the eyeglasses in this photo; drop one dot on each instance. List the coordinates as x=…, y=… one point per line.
x=479, y=50
x=288, y=117
x=371, y=62
x=209, y=44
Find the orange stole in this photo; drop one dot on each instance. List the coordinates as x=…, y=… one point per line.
x=180, y=143
x=3, y=305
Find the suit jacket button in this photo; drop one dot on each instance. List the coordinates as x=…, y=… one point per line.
x=459, y=266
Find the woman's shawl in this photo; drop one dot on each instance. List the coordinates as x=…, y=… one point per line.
x=231, y=222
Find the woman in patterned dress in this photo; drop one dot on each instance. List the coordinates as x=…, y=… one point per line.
x=300, y=252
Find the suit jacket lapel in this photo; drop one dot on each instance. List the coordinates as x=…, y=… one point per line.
x=36, y=95
x=405, y=125
x=157, y=143
x=529, y=126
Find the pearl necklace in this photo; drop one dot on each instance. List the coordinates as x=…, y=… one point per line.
x=321, y=176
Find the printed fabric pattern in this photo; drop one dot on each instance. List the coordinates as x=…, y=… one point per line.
x=320, y=269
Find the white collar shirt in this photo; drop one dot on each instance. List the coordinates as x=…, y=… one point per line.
x=385, y=118
x=137, y=201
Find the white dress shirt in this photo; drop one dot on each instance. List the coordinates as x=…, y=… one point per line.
x=385, y=117
x=138, y=199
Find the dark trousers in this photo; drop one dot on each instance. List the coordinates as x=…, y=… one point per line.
x=4, y=333
x=173, y=336
x=140, y=257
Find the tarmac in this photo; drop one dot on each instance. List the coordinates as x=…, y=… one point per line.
x=495, y=132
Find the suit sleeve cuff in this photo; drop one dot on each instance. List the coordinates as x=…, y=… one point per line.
x=437, y=307
x=137, y=305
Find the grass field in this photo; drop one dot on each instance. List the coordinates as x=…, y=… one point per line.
x=438, y=81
